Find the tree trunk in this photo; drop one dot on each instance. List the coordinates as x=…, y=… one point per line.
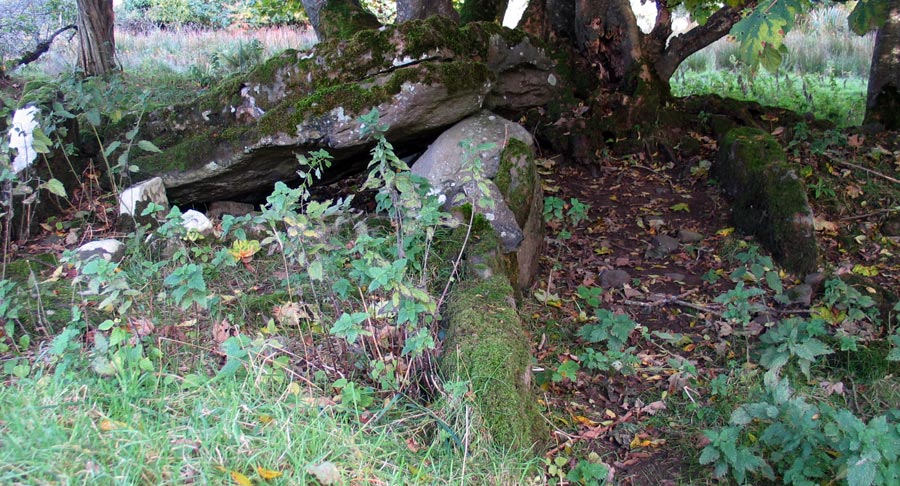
x=97, y=51
x=338, y=19
x=883, y=96
x=483, y=11
x=422, y=9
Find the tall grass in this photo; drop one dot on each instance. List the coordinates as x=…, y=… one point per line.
x=824, y=72
x=176, y=62
x=78, y=428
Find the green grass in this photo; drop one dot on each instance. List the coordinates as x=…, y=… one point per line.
x=824, y=73
x=148, y=428
x=178, y=62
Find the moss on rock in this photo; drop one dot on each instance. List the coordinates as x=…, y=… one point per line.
x=516, y=177
x=487, y=345
x=768, y=199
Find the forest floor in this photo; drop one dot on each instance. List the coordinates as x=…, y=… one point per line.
x=685, y=366
x=645, y=421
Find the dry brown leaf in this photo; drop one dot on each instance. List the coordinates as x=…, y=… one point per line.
x=222, y=330
x=141, y=326
x=326, y=472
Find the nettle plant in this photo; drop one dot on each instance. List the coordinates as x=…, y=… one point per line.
x=783, y=436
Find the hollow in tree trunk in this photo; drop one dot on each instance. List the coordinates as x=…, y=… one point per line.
x=883, y=96
x=97, y=51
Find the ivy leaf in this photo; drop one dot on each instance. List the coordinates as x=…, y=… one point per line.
x=868, y=15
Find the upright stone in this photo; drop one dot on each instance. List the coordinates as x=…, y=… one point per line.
x=768, y=199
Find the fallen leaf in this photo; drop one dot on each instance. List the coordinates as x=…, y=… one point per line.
x=240, y=479
x=326, y=472
x=725, y=231
x=222, y=330
x=680, y=207
x=778, y=131
x=824, y=225
x=107, y=425
x=268, y=473
x=855, y=140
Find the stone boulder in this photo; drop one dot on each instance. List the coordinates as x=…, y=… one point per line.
x=768, y=199
x=422, y=76
x=503, y=151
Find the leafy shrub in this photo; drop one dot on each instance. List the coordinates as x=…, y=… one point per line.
x=786, y=438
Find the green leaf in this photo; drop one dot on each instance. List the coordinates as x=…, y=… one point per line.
x=111, y=148
x=709, y=455
x=148, y=146
x=315, y=270
x=41, y=143
x=861, y=472
x=93, y=117
x=868, y=15
x=762, y=32
x=55, y=187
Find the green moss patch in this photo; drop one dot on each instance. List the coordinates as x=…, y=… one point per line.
x=487, y=345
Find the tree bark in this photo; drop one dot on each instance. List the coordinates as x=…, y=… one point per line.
x=883, y=94
x=338, y=19
x=682, y=46
x=422, y=9
x=97, y=51
x=483, y=11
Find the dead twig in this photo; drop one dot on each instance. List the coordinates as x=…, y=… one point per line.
x=675, y=300
x=870, y=214
x=866, y=169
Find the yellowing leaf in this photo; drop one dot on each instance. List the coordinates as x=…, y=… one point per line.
x=293, y=388
x=240, y=479
x=266, y=419
x=268, y=473
x=680, y=207
x=865, y=271
x=585, y=421
x=603, y=250
x=725, y=231
x=106, y=425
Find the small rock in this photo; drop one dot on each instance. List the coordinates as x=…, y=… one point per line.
x=661, y=246
x=801, y=294
x=891, y=226
x=196, y=221
x=109, y=249
x=765, y=317
x=236, y=209
x=133, y=200
x=675, y=276
x=814, y=280
x=687, y=237
x=614, y=278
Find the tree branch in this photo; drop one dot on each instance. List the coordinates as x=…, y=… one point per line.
x=41, y=48
x=717, y=26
